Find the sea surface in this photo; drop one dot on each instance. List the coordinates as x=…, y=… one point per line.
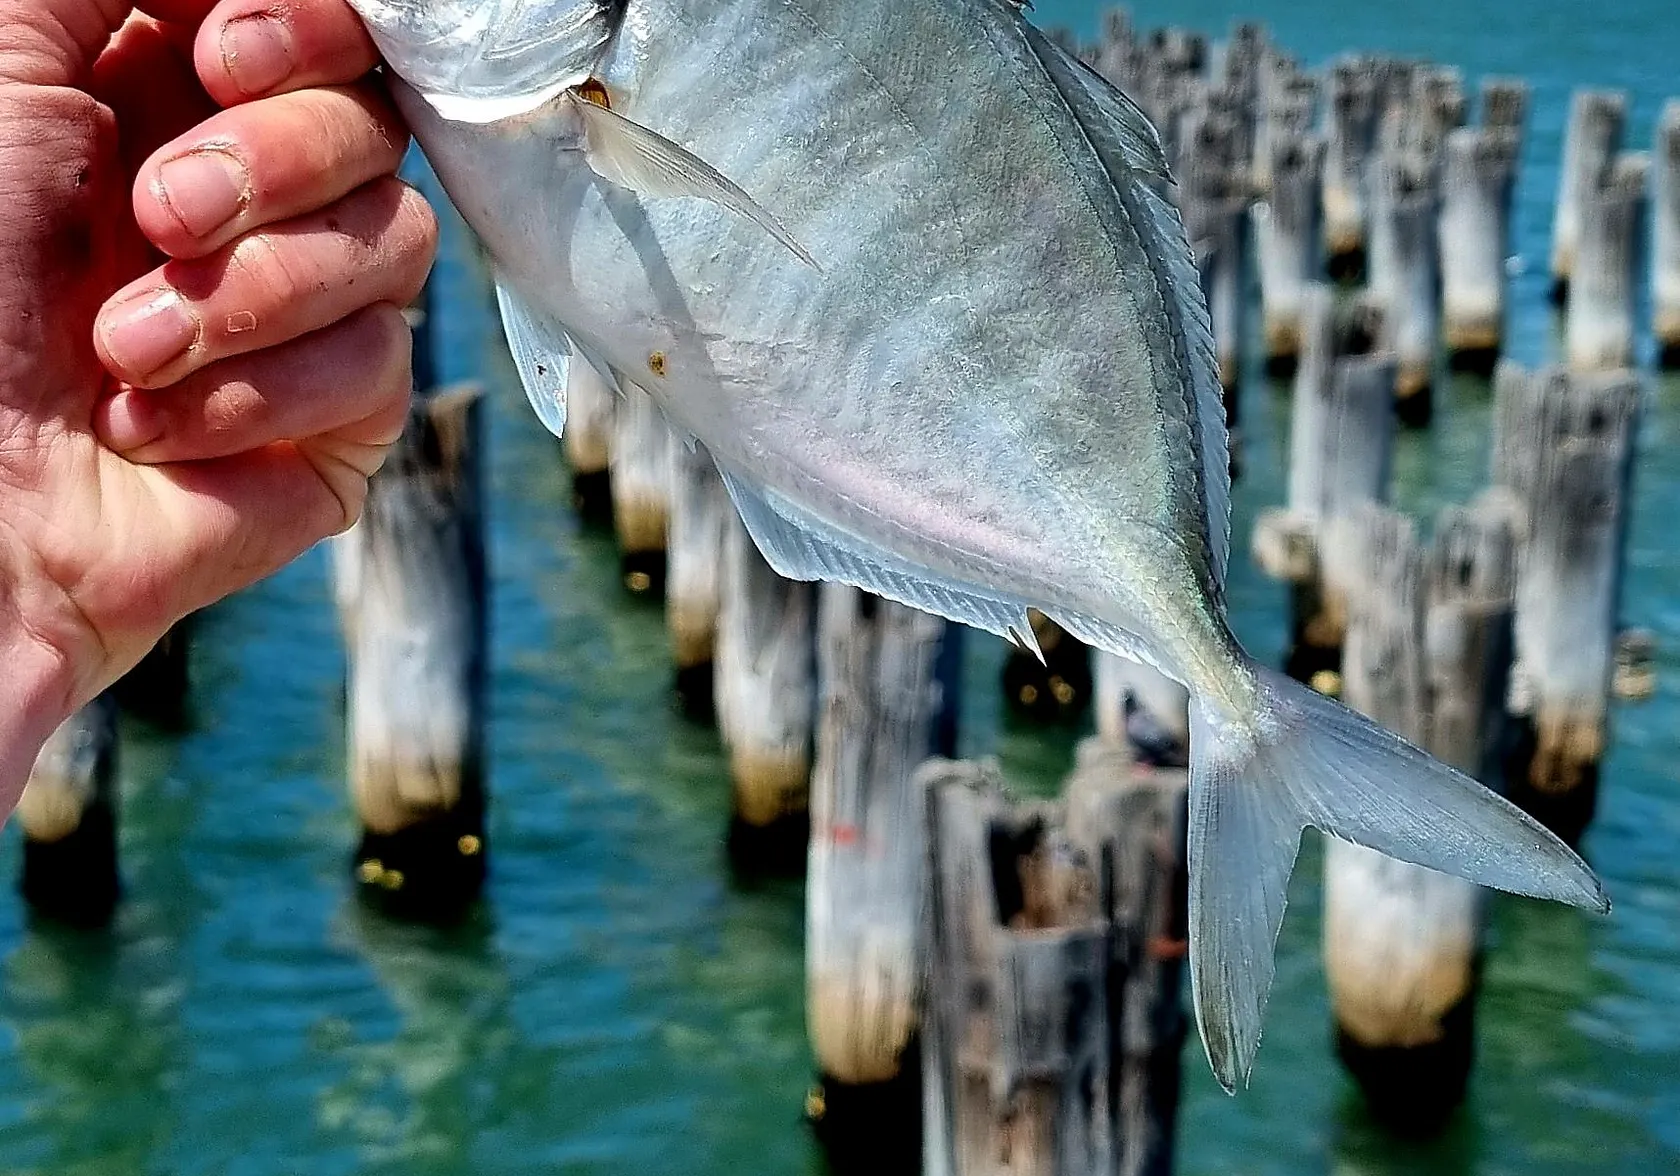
x=623, y=1005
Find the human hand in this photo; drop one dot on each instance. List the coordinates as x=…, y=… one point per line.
x=170, y=433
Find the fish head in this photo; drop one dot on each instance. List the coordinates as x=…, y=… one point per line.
x=485, y=60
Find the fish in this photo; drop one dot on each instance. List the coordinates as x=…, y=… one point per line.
x=913, y=276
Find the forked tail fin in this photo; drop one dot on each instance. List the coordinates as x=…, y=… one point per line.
x=1306, y=760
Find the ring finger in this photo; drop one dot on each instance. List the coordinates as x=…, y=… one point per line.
x=270, y=286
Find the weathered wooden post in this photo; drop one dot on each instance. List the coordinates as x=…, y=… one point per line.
x=1214, y=199
x=1054, y=1022
x=700, y=510
x=764, y=686
x=1404, y=274
x=1505, y=105
x=1341, y=441
x=1350, y=133
x=1427, y=653
x=416, y=641
x=641, y=491
x=1594, y=135
x=1478, y=177
x=880, y=706
x=1599, y=323
x=1017, y=1037
x=68, y=813
x=1665, y=236
x=1129, y=819
x=590, y=405
x=1287, y=243
x=1564, y=445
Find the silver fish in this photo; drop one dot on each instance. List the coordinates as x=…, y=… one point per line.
x=951, y=349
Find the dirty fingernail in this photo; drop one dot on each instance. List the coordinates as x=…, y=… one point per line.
x=257, y=52
x=148, y=332
x=205, y=190
x=130, y=422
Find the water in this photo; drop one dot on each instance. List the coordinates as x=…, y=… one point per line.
x=623, y=1005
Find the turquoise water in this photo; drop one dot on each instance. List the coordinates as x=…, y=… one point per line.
x=622, y=1005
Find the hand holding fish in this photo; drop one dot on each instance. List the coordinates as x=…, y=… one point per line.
x=170, y=432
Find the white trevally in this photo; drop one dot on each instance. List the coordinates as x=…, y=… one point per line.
x=968, y=368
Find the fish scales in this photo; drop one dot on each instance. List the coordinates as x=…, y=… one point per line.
x=906, y=270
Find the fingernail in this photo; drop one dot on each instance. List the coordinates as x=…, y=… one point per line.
x=129, y=423
x=257, y=52
x=204, y=190
x=148, y=332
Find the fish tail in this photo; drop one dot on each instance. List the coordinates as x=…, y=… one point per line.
x=1302, y=759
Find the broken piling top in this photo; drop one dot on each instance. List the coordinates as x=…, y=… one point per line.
x=1599, y=330
x=1593, y=136
x=1478, y=177
x=1505, y=104
x=1665, y=234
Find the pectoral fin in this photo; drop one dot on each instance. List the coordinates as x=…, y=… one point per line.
x=631, y=156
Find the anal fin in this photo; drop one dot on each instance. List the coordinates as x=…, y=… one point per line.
x=801, y=547
x=541, y=352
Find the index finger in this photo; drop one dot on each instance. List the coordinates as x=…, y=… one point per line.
x=254, y=48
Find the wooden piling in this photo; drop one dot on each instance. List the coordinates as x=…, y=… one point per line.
x=1478, y=178
x=1214, y=198
x=1350, y=134
x=1593, y=136
x=1288, y=242
x=1665, y=236
x=157, y=690
x=1599, y=322
x=764, y=685
x=641, y=491
x=1505, y=105
x=68, y=813
x=1405, y=204
x=1564, y=447
x=1129, y=819
x=1017, y=1038
x=590, y=405
x=417, y=641
x=1341, y=442
x=1427, y=654
x=1054, y=1023
x=879, y=711
x=700, y=510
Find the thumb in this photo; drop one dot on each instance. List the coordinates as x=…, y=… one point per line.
x=55, y=42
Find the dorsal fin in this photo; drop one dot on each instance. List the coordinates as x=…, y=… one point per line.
x=1131, y=152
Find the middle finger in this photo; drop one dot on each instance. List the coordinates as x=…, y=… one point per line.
x=263, y=162
x=271, y=285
